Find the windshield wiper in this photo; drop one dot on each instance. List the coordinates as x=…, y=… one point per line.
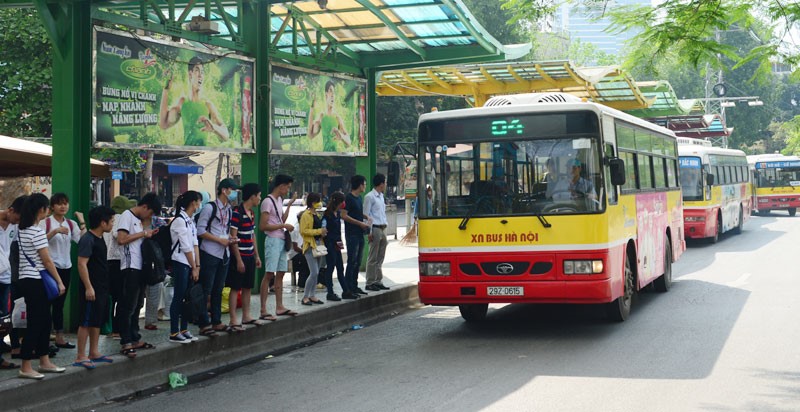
x=543, y=221
x=468, y=216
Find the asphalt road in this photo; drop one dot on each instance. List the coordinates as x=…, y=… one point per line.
x=724, y=338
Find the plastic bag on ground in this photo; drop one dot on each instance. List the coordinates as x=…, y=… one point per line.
x=176, y=380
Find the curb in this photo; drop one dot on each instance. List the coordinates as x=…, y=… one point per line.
x=78, y=389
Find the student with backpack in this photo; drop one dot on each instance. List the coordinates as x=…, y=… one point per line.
x=184, y=254
x=62, y=232
x=213, y=230
x=130, y=234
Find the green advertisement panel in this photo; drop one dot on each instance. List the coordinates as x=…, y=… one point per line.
x=317, y=113
x=152, y=94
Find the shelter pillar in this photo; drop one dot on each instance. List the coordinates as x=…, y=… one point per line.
x=255, y=166
x=69, y=26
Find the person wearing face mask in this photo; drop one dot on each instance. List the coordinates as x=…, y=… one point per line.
x=312, y=231
x=213, y=229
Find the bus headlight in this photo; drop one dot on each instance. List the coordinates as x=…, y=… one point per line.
x=695, y=218
x=583, y=267
x=434, y=268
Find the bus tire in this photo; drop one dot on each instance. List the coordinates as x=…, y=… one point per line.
x=738, y=229
x=474, y=312
x=620, y=309
x=792, y=211
x=663, y=282
x=717, y=231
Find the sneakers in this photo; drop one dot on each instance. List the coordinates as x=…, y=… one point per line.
x=178, y=338
x=186, y=334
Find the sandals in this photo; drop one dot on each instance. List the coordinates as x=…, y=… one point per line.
x=255, y=322
x=144, y=345
x=102, y=359
x=287, y=312
x=234, y=329
x=208, y=332
x=8, y=365
x=129, y=352
x=267, y=316
x=88, y=364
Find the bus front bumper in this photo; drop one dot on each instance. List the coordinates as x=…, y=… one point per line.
x=556, y=291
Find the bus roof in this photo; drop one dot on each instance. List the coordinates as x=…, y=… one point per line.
x=544, y=106
x=771, y=157
x=694, y=150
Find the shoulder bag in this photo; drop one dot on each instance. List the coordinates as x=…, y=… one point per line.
x=287, y=236
x=50, y=285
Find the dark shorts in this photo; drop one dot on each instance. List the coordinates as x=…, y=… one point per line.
x=93, y=314
x=246, y=280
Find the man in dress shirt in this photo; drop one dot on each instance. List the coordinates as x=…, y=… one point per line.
x=375, y=210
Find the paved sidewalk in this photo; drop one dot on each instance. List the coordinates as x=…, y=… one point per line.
x=151, y=367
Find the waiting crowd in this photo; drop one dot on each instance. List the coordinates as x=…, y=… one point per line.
x=124, y=252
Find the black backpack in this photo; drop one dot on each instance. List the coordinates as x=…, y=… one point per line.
x=194, y=303
x=154, y=270
x=165, y=243
x=211, y=219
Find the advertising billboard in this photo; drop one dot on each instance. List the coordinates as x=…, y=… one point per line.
x=317, y=113
x=163, y=95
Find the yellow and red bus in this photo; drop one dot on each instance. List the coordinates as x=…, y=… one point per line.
x=544, y=198
x=777, y=182
x=716, y=189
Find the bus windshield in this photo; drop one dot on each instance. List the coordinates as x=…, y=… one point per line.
x=691, y=178
x=778, y=177
x=542, y=176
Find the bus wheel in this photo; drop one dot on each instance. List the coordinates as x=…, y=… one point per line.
x=718, y=231
x=738, y=229
x=620, y=309
x=475, y=312
x=792, y=211
x=663, y=282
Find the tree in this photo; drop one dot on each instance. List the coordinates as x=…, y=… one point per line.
x=26, y=96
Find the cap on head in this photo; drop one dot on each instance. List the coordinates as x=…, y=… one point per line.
x=121, y=203
x=228, y=184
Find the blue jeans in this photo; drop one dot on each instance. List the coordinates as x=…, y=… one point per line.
x=355, y=251
x=213, y=272
x=334, y=261
x=180, y=282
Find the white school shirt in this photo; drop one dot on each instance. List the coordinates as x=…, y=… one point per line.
x=114, y=249
x=183, y=232
x=132, y=252
x=61, y=244
x=375, y=207
x=7, y=236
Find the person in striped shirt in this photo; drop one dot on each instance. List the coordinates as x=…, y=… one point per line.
x=242, y=273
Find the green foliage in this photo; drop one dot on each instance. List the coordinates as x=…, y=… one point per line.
x=26, y=97
x=587, y=54
x=528, y=10
x=495, y=20
x=789, y=132
x=123, y=159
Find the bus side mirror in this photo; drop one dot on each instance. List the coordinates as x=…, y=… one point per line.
x=617, y=168
x=710, y=179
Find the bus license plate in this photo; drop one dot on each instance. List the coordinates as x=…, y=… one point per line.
x=783, y=205
x=504, y=291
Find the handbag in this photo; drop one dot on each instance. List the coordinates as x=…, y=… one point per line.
x=319, y=251
x=19, y=318
x=50, y=285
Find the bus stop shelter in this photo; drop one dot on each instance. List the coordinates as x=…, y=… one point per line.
x=357, y=37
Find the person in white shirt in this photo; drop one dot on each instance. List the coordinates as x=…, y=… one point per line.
x=130, y=233
x=61, y=233
x=119, y=204
x=185, y=263
x=9, y=220
x=34, y=259
x=375, y=210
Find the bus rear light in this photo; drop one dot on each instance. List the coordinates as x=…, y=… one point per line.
x=695, y=218
x=583, y=267
x=434, y=268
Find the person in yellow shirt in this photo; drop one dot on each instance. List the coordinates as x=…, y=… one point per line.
x=313, y=232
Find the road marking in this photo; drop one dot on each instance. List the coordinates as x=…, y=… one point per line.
x=739, y=282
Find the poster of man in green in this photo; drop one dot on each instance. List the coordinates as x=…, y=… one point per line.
x=151, y=94
x=316, y=113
